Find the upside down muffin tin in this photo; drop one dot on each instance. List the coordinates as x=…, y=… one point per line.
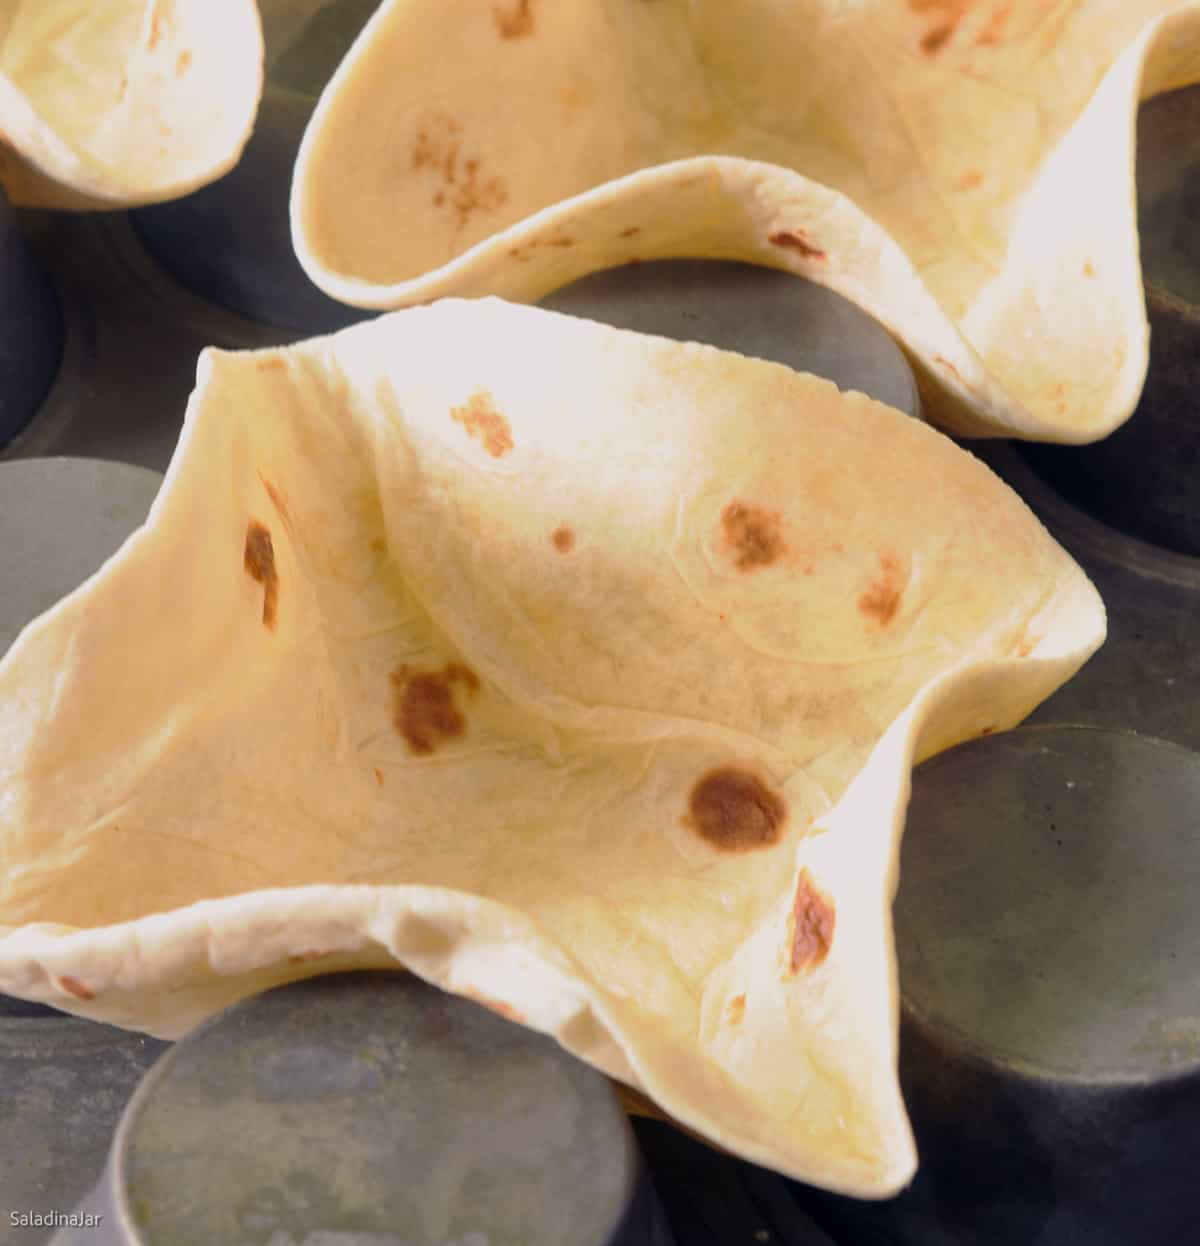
x=1050, y=1041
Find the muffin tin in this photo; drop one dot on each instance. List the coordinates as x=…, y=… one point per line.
x=1032, y=1125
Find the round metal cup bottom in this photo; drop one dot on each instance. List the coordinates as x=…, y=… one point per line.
x=1050, y=1057
x=60, y=519
x=371, y=1107
x=761, y=312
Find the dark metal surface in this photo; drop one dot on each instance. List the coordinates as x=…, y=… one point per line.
x=1047, y=912
x=63, y=1085
x=712, y=1199
x=755, y=311
x=31, y=335
x=1045, y=926
x=371, y=1107
x=1146, y=677
x=1168, y=193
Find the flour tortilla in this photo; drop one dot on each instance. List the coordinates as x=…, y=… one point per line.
x=580, y=672
x=111, y=103
x=963, y=171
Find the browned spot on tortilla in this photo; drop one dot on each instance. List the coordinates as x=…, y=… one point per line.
x=182, y=64
x=735, y=811
x=299, y=958
x=631, y=231
x=378, y=545
x=736, y=1011
x=797, y=240
x=880, y=602
x=73, y=986
x=971, y=179
x=1089, y=269
x=563, y=538
x=457, y=181
x=1061, y=408
x=949, y=367
x=436, y=146
x=519, y=253
x=946, y=14
x=259, y=563
x=992, y=35
x=812, y=923
x=424, y=711
x=564, y=241
x=753, y=535
x=155, y=32
x=378, y=776
x=483, y=422
x=987, y=730
x=515, y=22
x=496, y=1005
x=1026, y=645
x=479, y=196
x=274, y=364
x=933, y=40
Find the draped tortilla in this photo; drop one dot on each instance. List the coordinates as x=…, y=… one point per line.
x=581, y=672
x=961, y=169
x=111, y=103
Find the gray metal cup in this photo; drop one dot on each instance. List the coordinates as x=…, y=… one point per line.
x=1046, y=927
x=370, y=1108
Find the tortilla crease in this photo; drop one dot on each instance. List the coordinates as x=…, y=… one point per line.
x=113, y=103
x=581, y=672
x=960, y=169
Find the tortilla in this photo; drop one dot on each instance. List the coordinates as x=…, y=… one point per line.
x=963, y=171
x=111, y=103
x=581, y=672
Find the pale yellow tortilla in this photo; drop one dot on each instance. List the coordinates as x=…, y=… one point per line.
x=578, y=671
x=963, y=171
x=112, y=103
